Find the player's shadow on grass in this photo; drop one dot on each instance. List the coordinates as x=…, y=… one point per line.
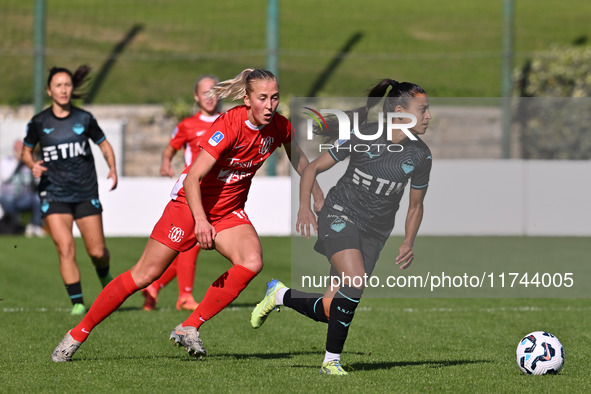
x=129, y=308
x=265, y=356
x=428, y=363
x=171, y=307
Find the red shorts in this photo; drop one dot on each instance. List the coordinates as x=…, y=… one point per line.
x=176, y=227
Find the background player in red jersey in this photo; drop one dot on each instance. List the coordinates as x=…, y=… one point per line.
x=207, y=207
x=187, y=135
x=68, y=187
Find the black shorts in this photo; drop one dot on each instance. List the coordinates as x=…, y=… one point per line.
x=76, y=209
x=336, y=232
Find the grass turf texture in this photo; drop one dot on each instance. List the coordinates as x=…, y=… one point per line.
x=401, y=345
x=452, y=49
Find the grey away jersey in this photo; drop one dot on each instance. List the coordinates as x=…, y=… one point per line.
x=65, y=149
x=369, y=192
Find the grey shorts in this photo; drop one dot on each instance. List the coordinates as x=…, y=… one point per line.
x=336, y=232
x=76, y=209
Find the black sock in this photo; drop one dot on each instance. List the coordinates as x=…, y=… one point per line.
x=75, y=292
x=342, y=310
x=102, y=272
x=308, y=304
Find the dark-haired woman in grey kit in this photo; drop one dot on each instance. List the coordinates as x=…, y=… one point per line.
x=68, y=187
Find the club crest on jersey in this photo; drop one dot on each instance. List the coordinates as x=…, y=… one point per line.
x=408, y=166
x=266, y=144
x=216, y=138
x=78, y=128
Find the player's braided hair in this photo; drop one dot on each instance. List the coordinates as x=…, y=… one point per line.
x=399, y=94
x=241, y=85
x=79, y=78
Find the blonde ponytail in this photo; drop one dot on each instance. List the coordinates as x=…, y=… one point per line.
x=239, y=86
x=234, y=88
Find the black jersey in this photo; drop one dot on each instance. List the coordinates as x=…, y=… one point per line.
x=65, y=146
x=369, y=192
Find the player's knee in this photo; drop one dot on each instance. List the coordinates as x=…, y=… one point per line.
x=326, y=305
x=252, y=261
x=66, y=250
x=99, y=254
x=355, y=279
x=144, y=276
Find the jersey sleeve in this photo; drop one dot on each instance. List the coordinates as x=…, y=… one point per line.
x=420, y=179
x=95, y=133
x=341, y=148
x=32, y=136
x=219, y=138
x=289, y=133
x=284, y=129
x=178, y=137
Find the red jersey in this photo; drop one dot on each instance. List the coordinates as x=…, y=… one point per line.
x=189, y=132
x=240, y=148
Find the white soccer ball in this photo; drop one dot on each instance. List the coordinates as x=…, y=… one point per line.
x=540, y=353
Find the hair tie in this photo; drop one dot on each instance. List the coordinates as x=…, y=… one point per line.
x=393, y=83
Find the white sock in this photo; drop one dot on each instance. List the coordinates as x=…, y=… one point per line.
x=279, y=296
x=331, y=357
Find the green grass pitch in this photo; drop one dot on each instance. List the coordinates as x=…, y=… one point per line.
x=452, y=49
x=395, y=345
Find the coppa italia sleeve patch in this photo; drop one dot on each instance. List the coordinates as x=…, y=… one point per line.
x=216, y=138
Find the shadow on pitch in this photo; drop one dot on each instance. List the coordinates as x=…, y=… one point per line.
x=330, y=69
x=428, y=363
x=265, y=356
x=106, y=67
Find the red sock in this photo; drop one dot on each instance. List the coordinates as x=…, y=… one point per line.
x=185, y=269
x=167, y=275
x=219, y=295
x=112, y=296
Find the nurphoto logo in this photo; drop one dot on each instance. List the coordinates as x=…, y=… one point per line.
x=345, y=129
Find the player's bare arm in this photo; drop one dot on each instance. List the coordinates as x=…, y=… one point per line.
x=306, y=217
x=109, y=156
x=204, y=231
x=414, y=217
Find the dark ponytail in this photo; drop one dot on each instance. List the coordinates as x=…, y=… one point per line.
x=79, y=78
x=400, y=94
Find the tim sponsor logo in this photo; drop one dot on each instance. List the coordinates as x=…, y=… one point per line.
x=377, y=185
x=64, y=151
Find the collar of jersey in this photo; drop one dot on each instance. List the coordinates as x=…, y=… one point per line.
x=208, y=118
x=251, y=126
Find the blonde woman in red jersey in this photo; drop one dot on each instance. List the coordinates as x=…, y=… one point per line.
x=187, y=135
x=207, y=207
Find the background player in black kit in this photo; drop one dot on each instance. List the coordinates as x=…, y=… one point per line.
x=68, y=187
x=358, y=213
